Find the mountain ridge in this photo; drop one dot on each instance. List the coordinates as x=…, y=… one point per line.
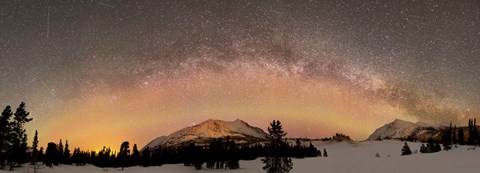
x=401, y=129
x=202, y=133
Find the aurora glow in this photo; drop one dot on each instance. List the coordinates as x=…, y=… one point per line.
x=101, y=72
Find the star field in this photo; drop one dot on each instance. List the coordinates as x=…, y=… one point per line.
x=109, y=71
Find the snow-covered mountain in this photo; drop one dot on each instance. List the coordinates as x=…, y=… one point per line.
x=399, y=129
x=155, y=142
x=237, y=130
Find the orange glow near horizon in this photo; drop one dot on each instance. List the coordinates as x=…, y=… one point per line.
x=307, y=109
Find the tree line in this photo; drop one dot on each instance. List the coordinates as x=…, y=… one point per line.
x=220, y=153
x=451, y=137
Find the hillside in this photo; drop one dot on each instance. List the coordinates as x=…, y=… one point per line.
x=237, y=130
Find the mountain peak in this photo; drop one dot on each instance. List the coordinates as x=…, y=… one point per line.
x=238, y=120
x=401, y=129
x=401, y=121
x=423, y=124
x=203, y=132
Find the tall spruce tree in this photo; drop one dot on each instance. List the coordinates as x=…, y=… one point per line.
x=135, y=157
x=474, y=132
x=35, y=148
x=5, y=134
x=123, y=154
x=277, y=162
x=41, y=155
x=18, y=154
x=35, y=152
x=276, y=133
x=145, y=158
x=66, y=154
x=461, y=137
x=60, y=152
x=51, y=155
x=454, y=136
x=447, y=138
x=232, y=155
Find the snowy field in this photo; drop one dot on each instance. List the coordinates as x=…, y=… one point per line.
x=343, y=157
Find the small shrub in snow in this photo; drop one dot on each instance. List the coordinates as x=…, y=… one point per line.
x=406, y=150
x=431, y=147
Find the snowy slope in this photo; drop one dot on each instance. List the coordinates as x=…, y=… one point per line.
x=403, y=129
x=237, y=130
x=155, y=142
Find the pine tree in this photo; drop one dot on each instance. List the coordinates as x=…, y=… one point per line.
x=41, y=155
x=135, y=157
x=406, y=150
x=60, y=151
x=19, y=136
x=35, y=148
x=232, y=159
x=146, y=157
x=66, y=154
x=276, y=133
x=437, y=147
x=51, y=155
x=123, y=154
x=461, y=138
x=325, y=153
x=5, y=131
x=298, y=144
x=474, y=133
x=447, y=139
x=277, y=163
x=423, y=149
x=454, y=136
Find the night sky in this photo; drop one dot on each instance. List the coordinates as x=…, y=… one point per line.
x=98, y=72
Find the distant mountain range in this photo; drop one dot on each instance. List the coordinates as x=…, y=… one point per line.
x=204, y=132
x=399, y=129
x=242, y=132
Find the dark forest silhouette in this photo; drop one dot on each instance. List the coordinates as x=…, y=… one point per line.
x=220, y=153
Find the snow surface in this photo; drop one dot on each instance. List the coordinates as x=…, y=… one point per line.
x=343, y=158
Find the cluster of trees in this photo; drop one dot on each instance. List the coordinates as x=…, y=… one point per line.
x=13, y=137
x=221, y=153
x=472, y=132
x=339, y=137
x=58, y=154
x=431, y=147
x=452, y=136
